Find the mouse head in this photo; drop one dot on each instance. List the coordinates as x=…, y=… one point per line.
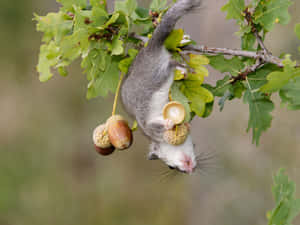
x=180, y=157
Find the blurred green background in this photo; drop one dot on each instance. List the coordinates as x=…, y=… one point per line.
x=50, y=173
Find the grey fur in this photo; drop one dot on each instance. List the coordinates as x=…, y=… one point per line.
x=151, y=73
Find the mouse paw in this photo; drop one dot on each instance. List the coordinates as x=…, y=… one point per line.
x=169, y=124
x=188, y=125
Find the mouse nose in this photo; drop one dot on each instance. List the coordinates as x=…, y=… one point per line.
x=188, y=164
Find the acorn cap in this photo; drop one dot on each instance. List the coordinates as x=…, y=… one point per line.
x=174, y=111
x=100, y=137
x=176, y=135
x=115, y=118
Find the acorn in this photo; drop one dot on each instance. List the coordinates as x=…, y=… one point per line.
x=119, y=133
x=101, y=140
x=174, y=111
x=176, y=135
x=100, y=136
x=105, y=151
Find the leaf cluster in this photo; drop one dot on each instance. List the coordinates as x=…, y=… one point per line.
x=85, y=30
x=287, y=207
x=256, y=86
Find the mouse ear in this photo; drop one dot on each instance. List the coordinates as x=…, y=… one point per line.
x=153, y=153
x=152, y=156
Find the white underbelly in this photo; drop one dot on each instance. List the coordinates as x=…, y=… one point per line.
x=159, y=99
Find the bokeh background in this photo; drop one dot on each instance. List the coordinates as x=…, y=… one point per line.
x=51, y=175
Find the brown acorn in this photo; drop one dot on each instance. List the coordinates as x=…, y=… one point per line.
x=101, y=140
x=119, y=133
x=105, y=151
x=176, y=135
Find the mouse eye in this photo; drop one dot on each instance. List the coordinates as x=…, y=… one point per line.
x=171, y=167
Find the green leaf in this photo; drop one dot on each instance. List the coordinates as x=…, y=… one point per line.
x=99, y=14
x=248, y=41
x=227, y=90
x=260, y=107
x=68, y=4
x=208, y=109
x=227, y=96
x=277, y=79
x=94, y=64
x=174, y=39
x=103, y=82
x=287, y=207
x=141, y=14
x=98, y=4
x=297, y=30
x=234, y=9
x=237, y=89
x=254, y=3
x=49, y=57
x=290, y=94
x=220, y=63
x=158, y=5
x=260, y=104
x=272, y=11
x=222, y=86
x=177, y=95
x=117, y=46
x=125, y=63
x=62, y=71
x=112, y=20
x=54, y=26
x=127, y=6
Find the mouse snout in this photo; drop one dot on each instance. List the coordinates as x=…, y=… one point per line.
x=188, y=164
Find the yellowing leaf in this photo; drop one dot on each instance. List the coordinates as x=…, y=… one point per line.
x=134, y=126
x=178, y=75
x=174, y=39
x=197, y=60
x=177, y=95
x=197, y=95
x=201, y=71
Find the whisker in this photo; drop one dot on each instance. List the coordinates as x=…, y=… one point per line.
x=206, y=162
x=206, y=155
x=164, y=176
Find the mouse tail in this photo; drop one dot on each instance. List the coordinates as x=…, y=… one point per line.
x=168, y=22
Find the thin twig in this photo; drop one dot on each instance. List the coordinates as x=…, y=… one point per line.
x=139, y=37
x=262, y=56
x=260, y=42
x=248, y=17
x=225, y=51
x=243, y=75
